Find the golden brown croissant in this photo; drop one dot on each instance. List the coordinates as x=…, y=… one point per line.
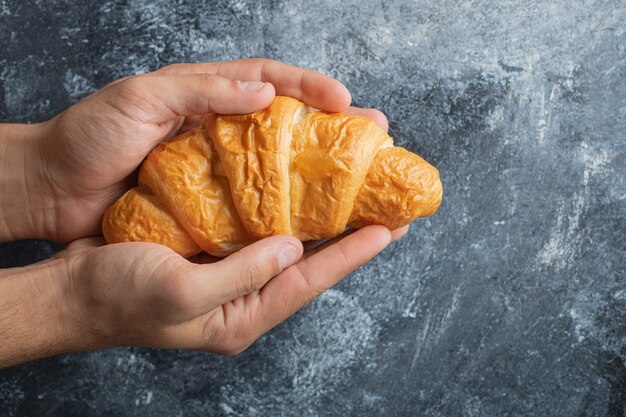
x=286, y=169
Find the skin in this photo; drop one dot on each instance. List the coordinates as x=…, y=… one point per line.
x=62, y=174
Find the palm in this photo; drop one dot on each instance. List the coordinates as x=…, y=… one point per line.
x=118, y=144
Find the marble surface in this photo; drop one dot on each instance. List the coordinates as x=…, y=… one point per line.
x=510, y=301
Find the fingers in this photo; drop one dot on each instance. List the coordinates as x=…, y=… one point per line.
x=376, y=115
x=398, y=233
x=245, y=271
x=234, y=326
x=313, y=247
x=301, y=283
x=311, y=87
x=197, y=89
x=161, y=97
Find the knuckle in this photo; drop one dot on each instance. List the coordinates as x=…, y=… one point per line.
x=131, y=85
x=133, y=95
x=234, y=85
x=178, y=289
x=250, y=278
x=225, y=341
x=209, y=79
x=311, y=291
x=213, y=337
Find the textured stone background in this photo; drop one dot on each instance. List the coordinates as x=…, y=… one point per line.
x=511, y=300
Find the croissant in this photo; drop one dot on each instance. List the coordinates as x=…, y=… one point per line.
x=286, y=169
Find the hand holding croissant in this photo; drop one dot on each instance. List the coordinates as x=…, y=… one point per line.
x=222, y=185
x=286, y=169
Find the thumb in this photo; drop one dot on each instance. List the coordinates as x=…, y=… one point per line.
x=243, y=272
x=158, y=97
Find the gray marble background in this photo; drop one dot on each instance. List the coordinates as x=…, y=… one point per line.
x=511, y=300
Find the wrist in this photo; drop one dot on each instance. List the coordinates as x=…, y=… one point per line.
x=38, y=317
x=26, y=206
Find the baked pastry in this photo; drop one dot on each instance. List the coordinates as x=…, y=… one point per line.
x=286, y=169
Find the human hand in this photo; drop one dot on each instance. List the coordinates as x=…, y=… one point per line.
x=140, y=293
x=89, y=152
x=144, y=294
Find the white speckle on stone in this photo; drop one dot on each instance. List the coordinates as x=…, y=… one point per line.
x=435, y=326
x=240, y=6
x=472, y=406
x=77, y=86
x=11, y=395
x=454, y=305
x=420, y=340
x=564, y=242
x=580, y=323
x=4, y=8
x=583, y=313
x=545, y=112
x=408, y=311
x=227, y=409
x=198, y=41
x=594, y=161
x=144, y=398
x=494, y=118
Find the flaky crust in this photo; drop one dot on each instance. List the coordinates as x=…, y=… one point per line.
x=150, y=220
x=285, y=169
x=254, y=150
x=330, y=154
x=400, y=187
x=184, y=173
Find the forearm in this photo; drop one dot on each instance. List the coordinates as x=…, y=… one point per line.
x=37, y=315
x=26, y=208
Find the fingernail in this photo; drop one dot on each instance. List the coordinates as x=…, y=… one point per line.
x=287, y=256
x=251, y=85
